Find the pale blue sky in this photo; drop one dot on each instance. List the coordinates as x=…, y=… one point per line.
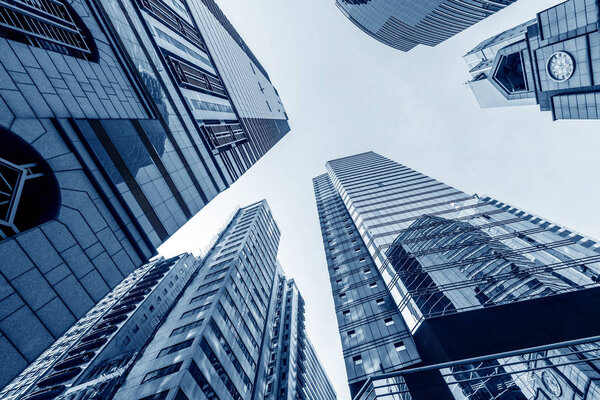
x=346, y=93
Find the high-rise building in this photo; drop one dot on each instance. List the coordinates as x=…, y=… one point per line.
x=441, y=294
x=551, y=60
x=404, y=24
x=119, y=120
x=94, y=355
x=294, y=370
x=237, y=331
x=230, y=326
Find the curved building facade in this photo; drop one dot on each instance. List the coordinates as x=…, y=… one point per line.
x=404, y=24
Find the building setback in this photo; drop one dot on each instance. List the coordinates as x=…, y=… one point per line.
x=404, y=24
x=230, y=326
x=440, y=294
x=551, y=60
x=119, y=120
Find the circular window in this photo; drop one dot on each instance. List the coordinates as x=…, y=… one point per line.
x=29, y=194
x=551, y=383
x=561, y=66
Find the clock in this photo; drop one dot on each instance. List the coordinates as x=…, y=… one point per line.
x=560, y=66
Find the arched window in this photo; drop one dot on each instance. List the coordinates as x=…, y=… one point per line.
x=50, y=24
x=29, y=194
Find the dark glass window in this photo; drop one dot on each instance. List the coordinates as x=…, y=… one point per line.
x=175, y=348
x=49, y=24
x=202, y=382
x=159, y=373
x=510, y=74
x=29, y=194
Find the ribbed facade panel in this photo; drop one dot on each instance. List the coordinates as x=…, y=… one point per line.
x=404, y=24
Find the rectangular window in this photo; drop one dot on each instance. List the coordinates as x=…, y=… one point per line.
x=195, y=311
x=357, y=360
x=175, y=348
x=380, y=302
x=221, y=372
x=202, y=382
x=351, y=333
x=186, y=328
x=388, y=321
x=373, y=285
x=399, y=346
x=159, y=373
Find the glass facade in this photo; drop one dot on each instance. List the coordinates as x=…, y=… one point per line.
x=404, y=24
x=126, y=118
x=555, y=63
x=464, y=276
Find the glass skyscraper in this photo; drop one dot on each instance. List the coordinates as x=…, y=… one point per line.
x=227, y=327
x=119, y=120
x=441, y=294
x=551, y=60
x=404, y=24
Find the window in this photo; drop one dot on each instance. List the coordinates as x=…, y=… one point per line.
x=367, y=271
x=195, y=311
x=29, y=194
x=388, y=321
x=194, y=78
x=212, y=358
x=351, y=333
x=175, y=348
x=357, y=360
x=136, y=328
x=373, y=285
x=157, y=396
x=342, y=296
x=346, y=313
x=49, y=24
x=399, y=346
x=380, y=302
x=151, y=308
x=159, y=373
x=356, y=250
x=339, y=281
x=170, y=18
x=510, y=74
x=202, y=382
x=186, y=328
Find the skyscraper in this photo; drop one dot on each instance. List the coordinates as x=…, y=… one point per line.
x=404, y=24
x=440, y=294
x=236, y=326
x=94, y=355
x=119, y=120
x=228, y=326
x=551, y=60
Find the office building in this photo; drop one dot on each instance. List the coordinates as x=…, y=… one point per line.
x=551, y=61
x=218, y=341
x=404, y=24
x=441, y=294
x=119, y=120
x=95, y=353
x=294, y=370
x=230, y=326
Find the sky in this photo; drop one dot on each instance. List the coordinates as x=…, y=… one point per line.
x=346, y=93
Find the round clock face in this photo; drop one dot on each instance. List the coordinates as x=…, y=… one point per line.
x=561, y=66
